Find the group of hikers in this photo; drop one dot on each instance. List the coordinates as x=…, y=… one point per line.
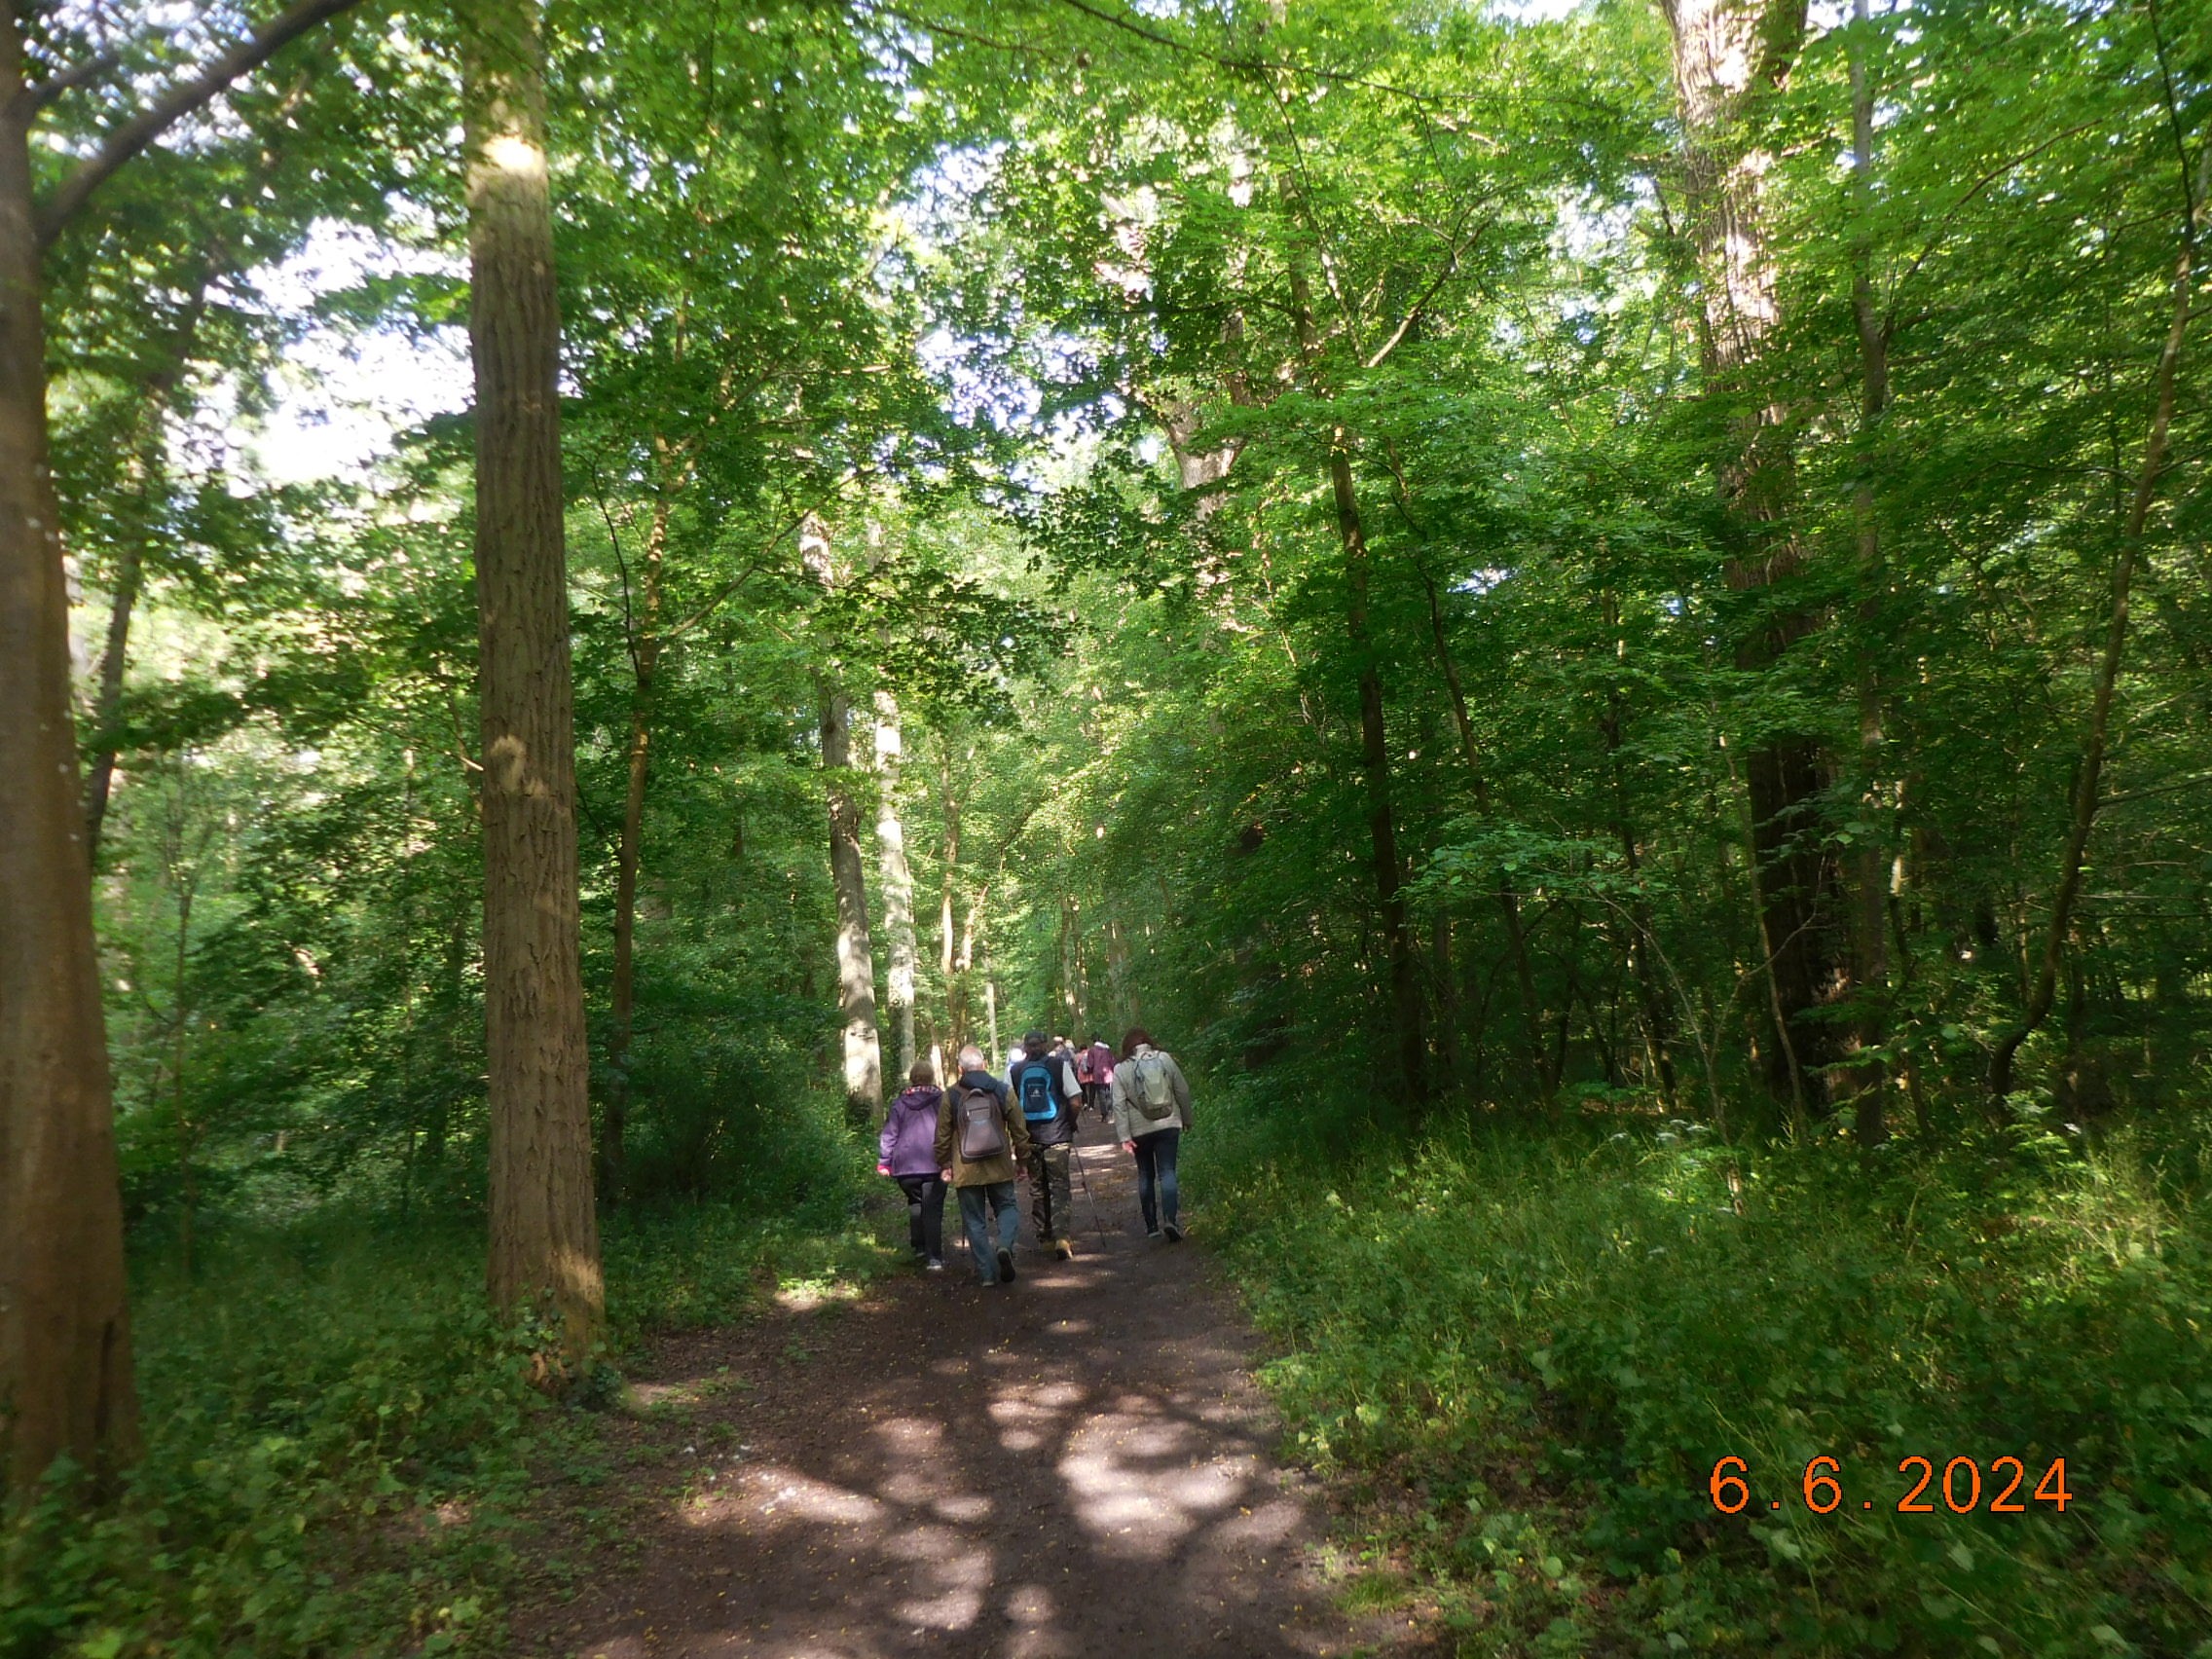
x=985, y=1132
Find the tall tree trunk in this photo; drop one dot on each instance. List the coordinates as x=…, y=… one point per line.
x=898, y=879
x=1644, y=938
x=1121, y=983
x=1373, y=747
x=151, y=470
x=1870, y=887
x=1374, y=768
x=65, y=1371
x=1508, y=901
x=1724, y=50
x=2090, y=777
x=856, y=952
x=951, y=968
x=544, y=1251
x=642, y=623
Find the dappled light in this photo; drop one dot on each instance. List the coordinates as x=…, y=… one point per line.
x=936, y=1468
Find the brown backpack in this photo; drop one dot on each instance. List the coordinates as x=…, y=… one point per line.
x=981, y=1121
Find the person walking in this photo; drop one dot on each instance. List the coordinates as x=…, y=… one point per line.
x=1152, y=1108
x=1043, y=1085
x=980, y=1146
x=906, y=1151
x=1095, y=1069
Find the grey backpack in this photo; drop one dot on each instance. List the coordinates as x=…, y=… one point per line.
x=1152, y=1089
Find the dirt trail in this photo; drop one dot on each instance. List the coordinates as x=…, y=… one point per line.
x=1076, y=1466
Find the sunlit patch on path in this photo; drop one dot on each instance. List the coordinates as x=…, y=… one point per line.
x=1074, y=1466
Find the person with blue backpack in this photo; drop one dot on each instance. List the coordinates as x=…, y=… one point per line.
x=1044, y=1086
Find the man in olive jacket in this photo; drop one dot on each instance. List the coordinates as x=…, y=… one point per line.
x=985, y=1186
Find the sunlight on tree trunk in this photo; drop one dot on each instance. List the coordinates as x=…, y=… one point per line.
x=544, y=1251
x=897, y=882
x=856, y=955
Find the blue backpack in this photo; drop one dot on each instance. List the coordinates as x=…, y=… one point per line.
x=1039, y=1102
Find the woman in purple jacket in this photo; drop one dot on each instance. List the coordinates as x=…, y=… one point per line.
x=907, y=1154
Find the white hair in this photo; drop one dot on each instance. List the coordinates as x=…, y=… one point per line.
x=970, y=1059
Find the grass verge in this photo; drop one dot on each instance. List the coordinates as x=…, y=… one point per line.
x=1522, y=1353
x=340, y=1437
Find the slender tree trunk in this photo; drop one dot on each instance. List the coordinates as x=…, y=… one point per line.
x=65, y=1371
x=1508, y=901
x=1643, y=940
x=1375, y=767
x=856, y=952
x=1444, y=971
x=1374, y=745
x=544, y=1230
x=2090, y=777
x=898, y=879
x=1120, y=986
x=951, y=965
x=1869, y=886
x=152, y=475
x=641, y=613
x=1724, y=51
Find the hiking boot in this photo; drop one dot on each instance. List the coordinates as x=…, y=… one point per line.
x=1152, y=1233
x=1007, y=1274
x=934, y=1265
x=1174, y=1234
x=1063, y=1250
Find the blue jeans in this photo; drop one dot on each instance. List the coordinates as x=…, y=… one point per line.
x=998, y=1195
x=1155, y=1169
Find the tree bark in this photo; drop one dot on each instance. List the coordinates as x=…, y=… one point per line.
x=898, y=880
x=545, y=1244
x=951, y=966
x=848, y=875
x=1723, y=52
x=65, y=1371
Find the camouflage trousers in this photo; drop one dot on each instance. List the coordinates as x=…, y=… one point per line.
x=1052, y=1205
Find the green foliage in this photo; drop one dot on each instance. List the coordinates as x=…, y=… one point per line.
x=340, y=1442
x=1527, y=1353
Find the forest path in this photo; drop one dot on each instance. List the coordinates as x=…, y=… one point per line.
x=1076, y=1466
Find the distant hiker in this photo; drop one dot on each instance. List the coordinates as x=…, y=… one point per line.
x=980, y=1143
x=1095, y=1070
x=907, y=1154
x=1045, y=1087
x=1152, y=1108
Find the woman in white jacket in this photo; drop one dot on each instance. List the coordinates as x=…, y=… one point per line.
x=1152, y=1108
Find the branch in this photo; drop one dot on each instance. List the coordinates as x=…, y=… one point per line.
x=127, y=140
x=33, y=98
x=1419, y=306
x=1247, y=65
x=1942, y=225
x=759, y=559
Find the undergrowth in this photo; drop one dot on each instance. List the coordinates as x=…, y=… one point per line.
x=1522, y=1351
x=340, y=1439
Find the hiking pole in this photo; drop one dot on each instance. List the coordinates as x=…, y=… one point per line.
x=1084, y=1175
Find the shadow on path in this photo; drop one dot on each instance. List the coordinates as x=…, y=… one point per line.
x=1072, y=1466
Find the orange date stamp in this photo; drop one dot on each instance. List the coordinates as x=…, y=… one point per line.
x=1961, y=1486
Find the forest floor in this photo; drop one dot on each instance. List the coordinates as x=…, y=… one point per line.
x=1074, y=1466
